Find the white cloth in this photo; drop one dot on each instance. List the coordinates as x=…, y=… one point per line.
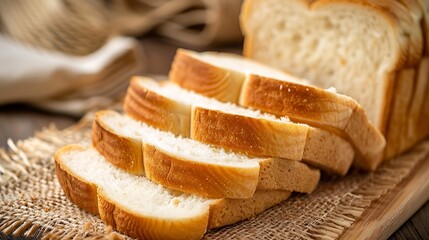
x=73, y=73
x=65, y=83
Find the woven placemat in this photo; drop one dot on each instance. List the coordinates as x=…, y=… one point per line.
x=32, y=202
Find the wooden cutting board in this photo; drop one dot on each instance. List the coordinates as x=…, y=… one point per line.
x=389, y=212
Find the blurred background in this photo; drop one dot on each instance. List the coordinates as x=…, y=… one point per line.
x=58, y=50
x=62, y=58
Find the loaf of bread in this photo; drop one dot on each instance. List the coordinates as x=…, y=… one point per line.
x=338, y=56
x=228, y=77
x=233, y=127
x=229, y=137
x=371, y=50
x=143, y=209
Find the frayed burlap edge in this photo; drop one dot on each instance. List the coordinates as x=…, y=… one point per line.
x=316, y=216
x=30, y=157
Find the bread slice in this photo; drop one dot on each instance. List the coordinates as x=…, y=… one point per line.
x=424, y=5
x=216, y=75
x=143, y=209
x=236, y=128
x=190, y=166
x=262, y=87
x=408, y=119
x=419, y=110
x=397, y=129
x=321, y=108
x=177, y=163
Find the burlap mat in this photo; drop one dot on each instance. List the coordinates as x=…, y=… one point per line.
x=32, y=202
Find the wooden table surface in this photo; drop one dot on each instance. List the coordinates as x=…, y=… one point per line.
x=20, y=121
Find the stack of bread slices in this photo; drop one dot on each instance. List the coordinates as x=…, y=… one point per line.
x=375, y=51
x=178, y=163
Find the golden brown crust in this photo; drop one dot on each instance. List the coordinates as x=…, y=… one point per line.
x=424, y=116
x=276, y=173
x=191, y=73
x=301, y=103
x=327, y=151
x=91, y=198
x=277, y=181
x=415, y=110
x=367, y=139
x=229, y=211
x=219, y=212
x=397, y=128
x=319, y=108
x=79, y=191
x=209, y=180
x=386, y=102
x=261, y=137
x=170, y=170
x=410, y=121
x=124, y=152
x=145, y=227
x=314, y=106
x=158, y=111
x=253, y=136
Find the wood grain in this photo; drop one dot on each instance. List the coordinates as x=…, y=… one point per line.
x=416, y=228
x=390, y=211
x=19, y=121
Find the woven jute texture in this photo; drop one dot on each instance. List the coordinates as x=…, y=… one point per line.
x=32, y=202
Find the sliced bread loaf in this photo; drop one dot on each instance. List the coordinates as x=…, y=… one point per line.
x=262, y=87
x=235, y=128
x=323, y=41
x=143, y=209
x=190, y=166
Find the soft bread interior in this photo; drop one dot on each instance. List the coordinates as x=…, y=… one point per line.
x=275, y=136
x=135, y=193
x=324, y=44
x=177, y=146
x=142, y=209
x=173, y=91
